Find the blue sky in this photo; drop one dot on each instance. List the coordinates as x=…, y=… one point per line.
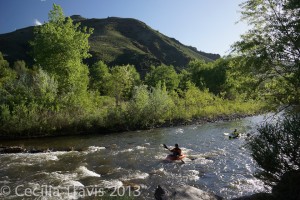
x=208, y=25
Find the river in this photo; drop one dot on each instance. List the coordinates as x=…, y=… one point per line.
x=214, y=163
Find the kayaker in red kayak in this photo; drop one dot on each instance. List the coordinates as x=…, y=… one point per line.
x=176, y=151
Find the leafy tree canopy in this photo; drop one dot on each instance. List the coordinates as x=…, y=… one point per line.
x=6, y=73
x=270, y=53
x=59, y=47
x=99, y=77
x=122, y=81
x=271, y=48
x=209, y=75
x=164, y=74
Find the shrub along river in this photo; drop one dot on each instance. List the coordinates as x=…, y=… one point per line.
x=213, y=163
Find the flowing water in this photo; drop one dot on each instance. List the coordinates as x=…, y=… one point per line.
x=213, y=163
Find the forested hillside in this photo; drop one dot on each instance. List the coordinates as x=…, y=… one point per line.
x=115, y=41
x=60, y=94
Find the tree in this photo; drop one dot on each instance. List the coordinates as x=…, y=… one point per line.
x=59, y=47
x=240, y=83
x=138, y=109
x=160, y=104
x=270, y=50
x=210, y=75
x=122, y=81
x=164, y=74
x=99, y=77
x=195, y=68
x=185, y=78
x=6, y=73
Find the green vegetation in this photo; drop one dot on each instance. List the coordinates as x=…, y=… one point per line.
x=268, y=55
x=59, y=94
x=276, y=149
x=59, y=47
x=165, y=74
x=270, y=50
x=115, y=41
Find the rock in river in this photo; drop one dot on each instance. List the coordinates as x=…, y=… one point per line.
x=183, y=192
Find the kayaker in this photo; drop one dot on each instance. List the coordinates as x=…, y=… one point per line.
x=176, y=151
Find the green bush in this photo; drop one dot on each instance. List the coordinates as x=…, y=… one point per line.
x=276, y=148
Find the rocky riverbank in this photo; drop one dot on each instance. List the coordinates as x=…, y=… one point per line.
x=19, y=149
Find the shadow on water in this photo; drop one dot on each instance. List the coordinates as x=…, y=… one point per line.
x=213, y=163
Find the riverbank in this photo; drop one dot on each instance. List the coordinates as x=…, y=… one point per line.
x=75, y=130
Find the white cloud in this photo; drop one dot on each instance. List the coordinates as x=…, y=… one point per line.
x=37, y=22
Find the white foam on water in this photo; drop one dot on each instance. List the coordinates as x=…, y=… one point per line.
x=194, y=127
x=148, y=144
x=248, y=168
x=52, y=157
x=73, y=183
x=185, y=150
x=195, y=172
x=140, y=148
x=160, y=172
x=202, y=161
x=130, y=150
x=95, y=148
x=126, y=150
x=84, y=172
x=18, y=164
x=257, y=184
x=192, y=175
x=160, y=156
x=249, y=185
x=70, y=180
x=161, y=169
x=214, y=153
x=135, y=175
x=110, y=184
x=30, y=159
x=58, y=175
x=195, y=156
x=117, y=169
x=37, y=157
x=179, y=131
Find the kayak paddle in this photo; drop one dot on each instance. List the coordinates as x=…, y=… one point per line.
x=166, y=146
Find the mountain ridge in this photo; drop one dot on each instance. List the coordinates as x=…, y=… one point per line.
x=116, y=41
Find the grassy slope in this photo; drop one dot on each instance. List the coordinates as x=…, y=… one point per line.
x=116, y=41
